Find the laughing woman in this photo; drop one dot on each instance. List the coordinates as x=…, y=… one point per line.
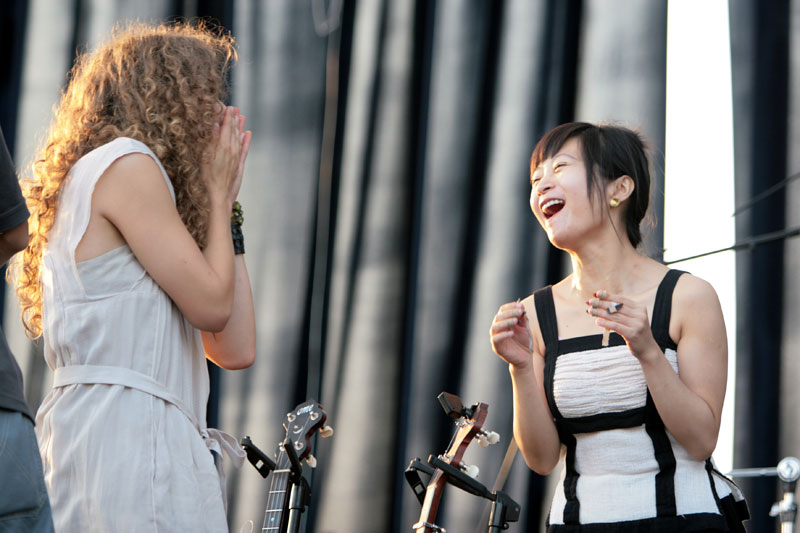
x=134, y=278
x=634, y=417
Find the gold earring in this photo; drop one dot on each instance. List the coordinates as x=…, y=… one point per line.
x=613, y=202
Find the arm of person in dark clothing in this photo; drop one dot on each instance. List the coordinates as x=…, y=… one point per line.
x=12, y=241
x=13, y=212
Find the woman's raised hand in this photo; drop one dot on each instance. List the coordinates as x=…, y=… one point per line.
x=627, y=317
x=224, y=162
x=510, y=335
x=244, y=137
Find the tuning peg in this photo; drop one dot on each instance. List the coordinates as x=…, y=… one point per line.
x=311, y=461
x=470, y=470
x=325, y=432
x=491, y=437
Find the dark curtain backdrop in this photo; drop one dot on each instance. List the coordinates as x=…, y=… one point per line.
x=386, y=207
x=766, y=283
x=790, y=347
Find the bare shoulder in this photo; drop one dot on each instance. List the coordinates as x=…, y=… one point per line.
x=692, y=291
x=695, y=306
x=130, y=177
x=134, y=197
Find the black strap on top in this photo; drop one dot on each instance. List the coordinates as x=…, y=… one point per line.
x=662, y=448
x=546, y=315
x=572, y=506
x=662, y=309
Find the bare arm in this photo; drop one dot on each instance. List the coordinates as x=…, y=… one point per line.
x=690, y=404
x=534, y=429
x=133, y=196
x=235, y=346
x=13, y=241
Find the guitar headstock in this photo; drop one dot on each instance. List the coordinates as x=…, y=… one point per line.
x=469, y=425
x=301, y=423
x=469, y=421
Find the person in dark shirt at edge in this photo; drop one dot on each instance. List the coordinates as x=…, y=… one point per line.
x=24, y=505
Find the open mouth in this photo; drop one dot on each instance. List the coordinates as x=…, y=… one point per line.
x=551, y=207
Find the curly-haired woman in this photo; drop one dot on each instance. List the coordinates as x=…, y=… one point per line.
x=133, y=277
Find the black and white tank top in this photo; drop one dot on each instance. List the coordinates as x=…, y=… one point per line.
x=623, y=470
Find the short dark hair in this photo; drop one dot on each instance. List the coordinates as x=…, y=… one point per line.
x=609, y=151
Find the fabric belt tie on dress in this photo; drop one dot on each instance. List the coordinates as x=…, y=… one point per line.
x=216, y=441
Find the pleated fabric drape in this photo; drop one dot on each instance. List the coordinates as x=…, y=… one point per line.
x=789, y=440
x=279, y=85
x=622, y=78
x=764, y=76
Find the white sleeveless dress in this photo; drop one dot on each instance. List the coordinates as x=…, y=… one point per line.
x=122, y=434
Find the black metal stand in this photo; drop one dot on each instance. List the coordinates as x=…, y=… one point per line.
x=300, y=492
x=504, y=508
x=300, y=495
x=788, y=471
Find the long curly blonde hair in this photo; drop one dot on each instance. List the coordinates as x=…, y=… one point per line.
x=158, y=84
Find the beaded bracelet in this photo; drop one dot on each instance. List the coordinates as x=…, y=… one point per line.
x=237, y=218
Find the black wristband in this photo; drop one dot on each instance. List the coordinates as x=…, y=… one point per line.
x=238, y=238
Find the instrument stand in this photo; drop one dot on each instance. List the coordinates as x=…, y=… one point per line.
x=300, y=496
x=786, y=509
x=504, y=508
x=300, y=492
x=788, y=471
